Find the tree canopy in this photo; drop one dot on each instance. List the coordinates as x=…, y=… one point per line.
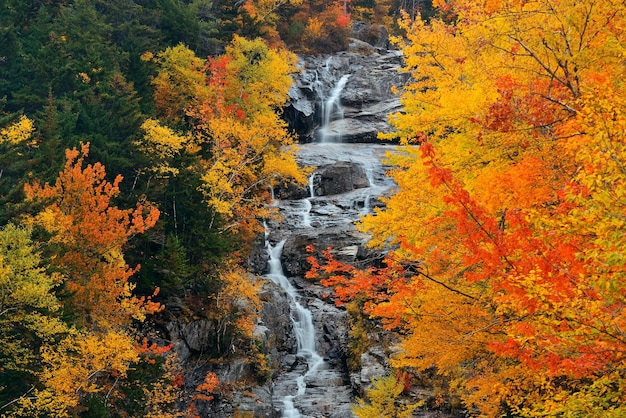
x=507, y=268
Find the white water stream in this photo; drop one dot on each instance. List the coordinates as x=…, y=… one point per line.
x=311, y=386
x=332, y=110
x=302, y=324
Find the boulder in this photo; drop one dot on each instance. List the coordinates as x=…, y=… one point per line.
x=195, y=336
x=340, y=177
x=275, y=329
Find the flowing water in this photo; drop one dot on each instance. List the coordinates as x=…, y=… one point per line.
x=302, y=324
x=311, y=386
x=332, y=110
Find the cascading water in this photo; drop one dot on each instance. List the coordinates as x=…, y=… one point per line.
x=302, y=321
x=332, y=110
x=312, y=185
x=306, y=212
x=313, y=382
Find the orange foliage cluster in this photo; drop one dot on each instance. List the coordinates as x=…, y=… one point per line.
x=95, y=350
x=343, y=20
x=204, y=392
x=507, y=269
x=91, y=235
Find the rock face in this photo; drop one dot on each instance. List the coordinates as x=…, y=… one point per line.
x=369, y=73
x=340, y=177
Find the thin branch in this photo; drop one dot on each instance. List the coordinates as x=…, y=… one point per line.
x=17, y=399
x=538, y=60
x=419, y=272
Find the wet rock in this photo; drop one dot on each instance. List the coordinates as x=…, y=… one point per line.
x=367, y=98
x=279, y=340
x=348, y=246
x=340, y=177
x=374, y=35
x=347, y=178
x=190, y=336
x=373, y=364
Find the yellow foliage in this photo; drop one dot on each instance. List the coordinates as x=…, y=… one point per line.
x=80, y=364
x=179, y=83
x=250, y=147
x=383, y=400
x=239, y=297
x=230, y=104
x=27, y=301
x=510, y=211
x=163, y=395
x=18, y=132
x=161, y=144
x=264, y=9
x=259, y=76
x=314, y=27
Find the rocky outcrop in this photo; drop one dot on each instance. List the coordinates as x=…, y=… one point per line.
x=347, y=182
x=340, y=177
x=275, y=331
x=367, y=97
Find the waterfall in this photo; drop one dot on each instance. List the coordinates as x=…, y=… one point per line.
x=312, y=380
x=369, y=172
x=302, y=321
x=312, y=185
x=332, y=110
x=306, y=212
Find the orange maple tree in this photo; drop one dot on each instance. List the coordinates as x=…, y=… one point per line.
x=85, y=242
x=89, y=235
x=507, y=228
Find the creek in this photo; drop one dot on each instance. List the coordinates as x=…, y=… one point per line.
x=313, y=380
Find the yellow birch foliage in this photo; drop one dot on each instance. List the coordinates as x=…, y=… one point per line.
x=18, y=132
x=383, y=400
x=179, y=83
x=28, y=306
x=238, y=302
x=263, y=10
x=161, y=144
x=231, y=105
x=264, y=13
x=163, y=394
x=81, y=364
x=248, y=138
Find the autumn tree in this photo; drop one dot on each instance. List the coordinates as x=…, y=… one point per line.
x=17, y=132
x=93, y=356
x=237, y=308
x=507, y=227
x=265, y=14
x=251, y=147
x=89, y=235
x=161, y=145
x=219, y=131
x=29, y=312
x=231, y=110
x=178, y=84
x=383, y=400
